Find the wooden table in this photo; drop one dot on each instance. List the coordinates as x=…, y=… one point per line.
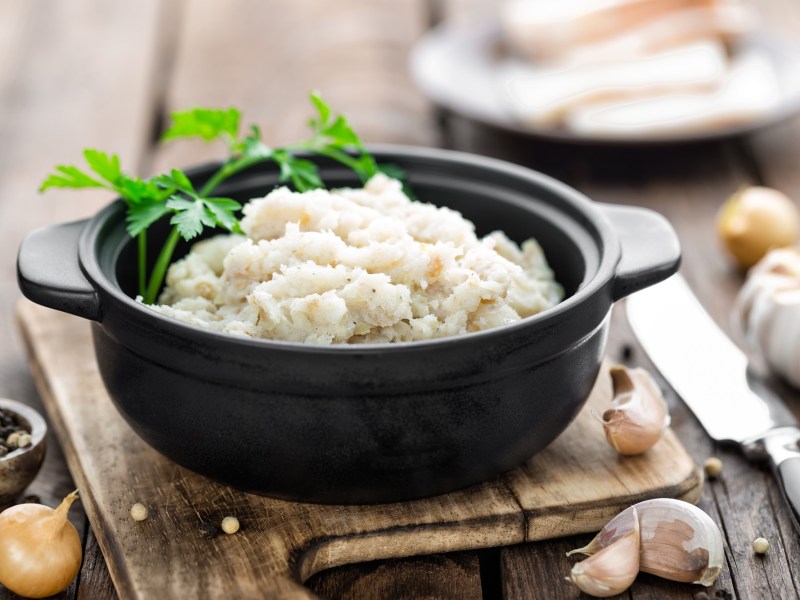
x=105, y=73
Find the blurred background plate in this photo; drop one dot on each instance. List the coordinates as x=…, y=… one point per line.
x=458, y=68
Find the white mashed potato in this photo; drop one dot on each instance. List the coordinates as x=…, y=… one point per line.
x=355, y=266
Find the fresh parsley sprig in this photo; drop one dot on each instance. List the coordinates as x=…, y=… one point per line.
x=144, y=199
x=191, y=210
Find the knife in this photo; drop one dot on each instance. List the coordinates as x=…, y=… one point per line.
x=712, y=376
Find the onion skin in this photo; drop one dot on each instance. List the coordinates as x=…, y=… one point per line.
x=755, y=220
x=40, y=550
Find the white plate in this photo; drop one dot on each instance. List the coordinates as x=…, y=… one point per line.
x=457, y=67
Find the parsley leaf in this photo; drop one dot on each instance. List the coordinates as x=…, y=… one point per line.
x=143, y=214
x=193, y=215
x=205, y=123
x=303, y=173
x=68, y=176
x=136, y=191
x=192, y=209
x=175, y=180
x=323, y=110
x=336, y=139
x=105, y=165
x=190, y=216
x=252, y=146
x=223, y=210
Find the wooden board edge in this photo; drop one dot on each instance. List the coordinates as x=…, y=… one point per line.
x=548, y=524
x=119, y=575
x=321, y=554
x=485, y=532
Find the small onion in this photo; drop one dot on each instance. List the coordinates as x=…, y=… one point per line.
x=40, y=550
x=756, y=219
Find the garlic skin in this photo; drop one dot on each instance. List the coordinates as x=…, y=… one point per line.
x=679, y=541
x=638, y=416
x=612, y=570
x=768, y=312
x=40, y=550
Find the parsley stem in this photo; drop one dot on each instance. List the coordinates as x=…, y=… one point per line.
x=337, y=155
x=230, y=168
x=142, y=263
x=160, y=268
x=221, y=175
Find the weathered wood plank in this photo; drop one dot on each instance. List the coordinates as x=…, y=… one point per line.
x=690, y=197
x=776, y=149
x=72, y=75
x=689, y=191
x=179, y=551
x=688, y=184
x=15, y=16
x=265, y=58
x=455, y=576
x=774, y=154
x=555, y=163
x=95, y=581
x=84, y=80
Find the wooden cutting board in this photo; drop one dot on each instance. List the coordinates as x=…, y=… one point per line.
x=574, y=486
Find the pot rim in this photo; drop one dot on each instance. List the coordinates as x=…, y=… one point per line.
x=608, y=251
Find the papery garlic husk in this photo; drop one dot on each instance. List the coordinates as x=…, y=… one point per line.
x=679, y=541
x=768, y=312
x=638, y=416
x=610, y=571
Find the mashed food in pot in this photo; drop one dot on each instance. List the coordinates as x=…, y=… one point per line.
x=356, y=266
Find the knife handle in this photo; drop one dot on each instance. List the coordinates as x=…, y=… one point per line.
x=784, y=453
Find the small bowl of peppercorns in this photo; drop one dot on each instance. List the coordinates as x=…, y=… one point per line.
x=22, y=446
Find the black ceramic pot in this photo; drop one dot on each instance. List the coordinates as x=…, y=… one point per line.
x=362, y=423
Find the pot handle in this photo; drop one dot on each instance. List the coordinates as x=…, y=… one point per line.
x=48, y=271
x=650, y=248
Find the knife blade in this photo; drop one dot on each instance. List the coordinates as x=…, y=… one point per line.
x=712, y=376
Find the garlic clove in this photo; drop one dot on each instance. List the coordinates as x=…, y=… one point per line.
x=638, y=416
x=619, y=526
x=679, y=541
x=611, y=570
x=768, y=312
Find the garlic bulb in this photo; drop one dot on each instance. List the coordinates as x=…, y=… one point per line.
x=679, y=541
x=638, y=416
x=611, y=571
x=768, y=309
x=40, y=550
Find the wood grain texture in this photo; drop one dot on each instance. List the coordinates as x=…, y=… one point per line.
x=454, y=575
x=94, y=582
x=265, y=58
x=686, y=184
x=67, y=71
x=180, y=550
x=60, y=64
